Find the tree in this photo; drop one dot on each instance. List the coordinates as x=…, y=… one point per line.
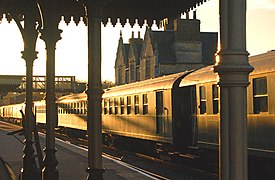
x=107, y=84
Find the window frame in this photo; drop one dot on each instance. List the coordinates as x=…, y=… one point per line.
x=202, y=99
x=215, y=99
x=136, y=104
x=260, y=96
x=129, y=105
x=145, y=104
x=122, y=105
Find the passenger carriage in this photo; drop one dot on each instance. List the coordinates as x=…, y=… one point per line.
x=260, y=106
x=144, y=110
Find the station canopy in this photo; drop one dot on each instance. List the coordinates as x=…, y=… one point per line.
x=132, y=10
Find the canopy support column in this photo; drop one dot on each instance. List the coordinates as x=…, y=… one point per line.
x=29, y=34
x=94, y=91
x=50, y=34
x=233, y=70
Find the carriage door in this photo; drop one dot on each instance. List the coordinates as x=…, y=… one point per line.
x=159, y=112
x=184, y=117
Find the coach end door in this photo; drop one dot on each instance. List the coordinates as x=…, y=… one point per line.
x=159, y=113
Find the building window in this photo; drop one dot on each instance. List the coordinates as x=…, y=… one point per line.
x=127, y=76
x=132, y=69
x=121, y=105
x=260, y=96
x=147, y=69
x=145, y=103
x=105, y=106
x=202, y=100
x=128, y=104
x=215, y=95
x=137, y=74
x=119, y=75
x=116, y=105
x=136, y=101
x=110, y=106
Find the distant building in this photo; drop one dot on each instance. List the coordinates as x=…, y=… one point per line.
x=181, y=46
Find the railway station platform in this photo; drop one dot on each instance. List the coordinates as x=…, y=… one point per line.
x=72, y=160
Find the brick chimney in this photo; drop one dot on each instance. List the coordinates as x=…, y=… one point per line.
x=135, y=40
x=188, y=45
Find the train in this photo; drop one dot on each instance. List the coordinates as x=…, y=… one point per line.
x=173, y=113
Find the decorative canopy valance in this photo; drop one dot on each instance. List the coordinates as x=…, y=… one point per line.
x=123, y=9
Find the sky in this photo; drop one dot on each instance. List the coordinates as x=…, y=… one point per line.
x=71, y=50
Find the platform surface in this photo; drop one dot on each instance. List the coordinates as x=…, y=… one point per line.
x=72, y=160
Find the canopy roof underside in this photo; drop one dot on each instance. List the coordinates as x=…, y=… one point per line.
x=141, y=10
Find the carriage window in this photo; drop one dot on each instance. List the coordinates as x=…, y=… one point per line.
x=73, y=108
x=64, y=109
x=85, y=107
x=128, y=104
x=260, y=96
x=60, y=108
x=105, y=106
x=121, y=105
x=69, y=108
x=116, y=105
x=202, y=100
x=145, y=103
x=215, y=95
x=136, y=101
x=81, y=107
x=77, y=107
x=110, y=106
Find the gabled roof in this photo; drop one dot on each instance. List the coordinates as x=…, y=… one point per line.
x=162, y=43
x=135, y=49
x=124, y=49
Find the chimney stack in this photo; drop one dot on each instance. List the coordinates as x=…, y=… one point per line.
x=195, y=14
x=187, y=15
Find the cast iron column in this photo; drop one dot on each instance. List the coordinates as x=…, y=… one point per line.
x=29, y=34
x=94, y=91
x=233, y=70
x=50, y=34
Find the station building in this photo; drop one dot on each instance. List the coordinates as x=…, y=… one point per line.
x=180, y=47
